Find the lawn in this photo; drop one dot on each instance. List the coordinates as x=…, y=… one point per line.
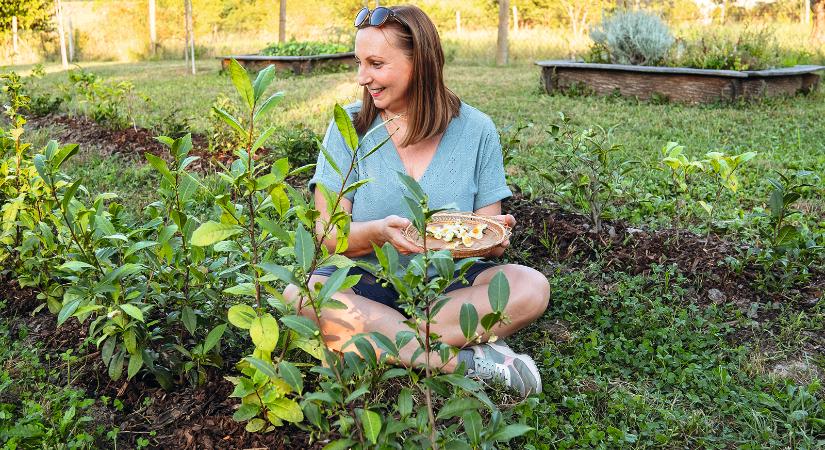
x=652, y=340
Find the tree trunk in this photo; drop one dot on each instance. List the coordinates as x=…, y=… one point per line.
x=70, y=39
x=190, y=33
x=818, y=34
x=503, y=27
x=153, y=34
x=515, y=19
x=186, y=31
x=15, y=45
x=282, y=22
x=63, y=56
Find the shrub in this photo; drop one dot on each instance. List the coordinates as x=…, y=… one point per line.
x=633, y=37
x=752, y=49
x=304, y=48
x=299, y=145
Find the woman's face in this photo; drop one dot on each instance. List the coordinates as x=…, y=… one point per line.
x=383, y=68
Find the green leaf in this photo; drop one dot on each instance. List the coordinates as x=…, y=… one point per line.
x=366, y=350
x=133, y=311
x=788, y=234
x=242, y=84
x=189, y=319
x=264, y=332
x=291, y=375
x=242, y=316
x=277, y=272
x=160, y=165
x=67, y=311
x=371, y=422
x=263, y=80
x=116, y=366
x=75, y=266
x=468, y=320
x=340, y=444
x=331, y=161
x=304, y=247
x=265, y=367
x=384, y=343
x=268, y=104
x=213, y=337
x=498, y=291
x=412, y=185
x=303, y=325
x=40, y=165
x=263, y=138
x=255, y=425
x=231, y=121
x=457, y=406
x=135, y=363
x=246, y=412
x=211, y=232
x=472, y=425
x=138, y=246
x=68, y=195
x=287, y=409
x=511, y=431
x=66, y=152
x=247, y=289
x=344, y=124
x=333, y=283
x=405, y=402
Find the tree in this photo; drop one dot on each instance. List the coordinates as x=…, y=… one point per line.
x=818, y=35
x=282, y=22
x=153, y=34
x=31, y=14
x=503, y=27
x=59, y=16
x=190, y=33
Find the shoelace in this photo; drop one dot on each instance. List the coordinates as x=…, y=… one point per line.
x=489, y=369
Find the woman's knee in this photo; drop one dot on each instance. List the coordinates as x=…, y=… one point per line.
x=530, y=293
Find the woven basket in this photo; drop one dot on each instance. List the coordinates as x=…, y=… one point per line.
x=493, y=235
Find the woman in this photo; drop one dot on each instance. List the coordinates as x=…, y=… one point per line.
x=453, y=151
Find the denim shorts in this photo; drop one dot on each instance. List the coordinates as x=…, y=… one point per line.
x=370, y=287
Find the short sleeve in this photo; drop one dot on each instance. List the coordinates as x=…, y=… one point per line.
x=325, y=173
x=492, y=184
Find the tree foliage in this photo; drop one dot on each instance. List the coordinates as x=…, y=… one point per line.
x=31, y=14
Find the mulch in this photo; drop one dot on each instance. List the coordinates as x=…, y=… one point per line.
x=545, y=236
x=131, y=142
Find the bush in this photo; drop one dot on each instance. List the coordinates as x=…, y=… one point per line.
x=633, y=37
x=304, y=48
x=299, y=145
x=753, y=49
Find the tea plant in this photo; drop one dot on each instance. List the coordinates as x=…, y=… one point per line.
x=721, y=169
x=107, y=103
x=584, y=170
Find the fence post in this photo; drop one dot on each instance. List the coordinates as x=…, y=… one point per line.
x=62, y=33
x=71, y=39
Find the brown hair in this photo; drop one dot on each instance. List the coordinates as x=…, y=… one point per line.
x=430, y=105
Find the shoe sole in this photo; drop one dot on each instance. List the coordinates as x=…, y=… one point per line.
x=529, y=364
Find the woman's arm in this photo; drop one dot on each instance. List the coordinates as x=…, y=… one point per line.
x=363, y=234
x=493, y=210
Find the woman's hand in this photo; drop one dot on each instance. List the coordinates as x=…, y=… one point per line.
x=392, y=228
x=509, y=221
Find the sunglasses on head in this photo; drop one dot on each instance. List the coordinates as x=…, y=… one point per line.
x=375, y=18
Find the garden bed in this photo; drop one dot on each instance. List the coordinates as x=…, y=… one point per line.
x=299, y=65
x=679, y=84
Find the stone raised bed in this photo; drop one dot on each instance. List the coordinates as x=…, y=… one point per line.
x=297, y=64
x=679, y=84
